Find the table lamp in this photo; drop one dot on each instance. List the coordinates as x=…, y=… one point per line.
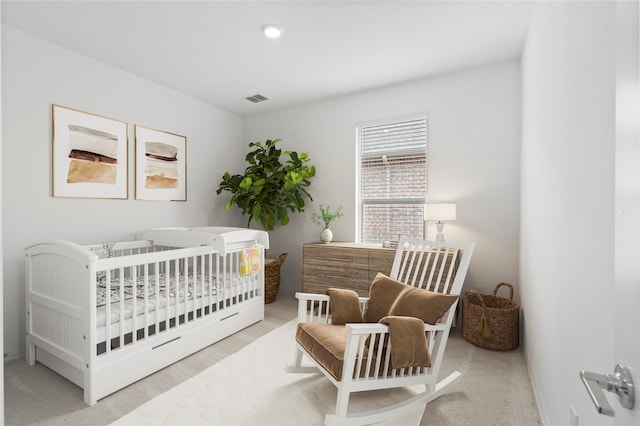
x=439, y=213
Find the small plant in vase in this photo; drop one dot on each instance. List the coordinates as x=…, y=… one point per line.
x=324, y=217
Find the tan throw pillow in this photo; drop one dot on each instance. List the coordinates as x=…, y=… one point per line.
x=382, y=296
x=423, y=304
x=345, y=306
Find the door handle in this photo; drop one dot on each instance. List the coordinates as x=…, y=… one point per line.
x=620, y=383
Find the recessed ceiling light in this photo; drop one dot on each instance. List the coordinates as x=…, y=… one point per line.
x=272, y=30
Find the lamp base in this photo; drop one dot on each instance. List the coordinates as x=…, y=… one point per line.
x=439, y=233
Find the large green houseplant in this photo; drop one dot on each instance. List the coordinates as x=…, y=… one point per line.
x=269, y=189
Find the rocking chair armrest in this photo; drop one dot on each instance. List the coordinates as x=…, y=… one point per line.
x=364, y=328
x=312, y=296
x=322, y=297
x=363, y=337
x=372, y=328
x=314, y=307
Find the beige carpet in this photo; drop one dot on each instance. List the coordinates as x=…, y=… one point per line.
x=252, y=388
x=494, y=388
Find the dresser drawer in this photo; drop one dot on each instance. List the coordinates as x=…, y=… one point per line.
x=335, y=257
x=321, y=283
x=380, y=260
x=343, y=265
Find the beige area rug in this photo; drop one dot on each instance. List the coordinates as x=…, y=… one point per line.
x=251, y=387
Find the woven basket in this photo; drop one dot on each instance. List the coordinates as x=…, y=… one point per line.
x=272, y=277
x=491, y=322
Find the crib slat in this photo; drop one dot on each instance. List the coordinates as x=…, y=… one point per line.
x=167, y=290
x=145, y=280
x=134, y=304
x=234, y=289
x=212, y=281
x=122, y=306
x=200, y=283
x=206, y=282
x=107, y=311
x=156, y=286
x=185, y=291
x=176, y=284
x=227, y=281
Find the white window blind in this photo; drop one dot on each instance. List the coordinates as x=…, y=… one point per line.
x=393, y=178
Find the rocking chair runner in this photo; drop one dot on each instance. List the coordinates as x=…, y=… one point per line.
x=359, y=357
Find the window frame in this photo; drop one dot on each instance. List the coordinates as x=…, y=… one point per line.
x=358, y=146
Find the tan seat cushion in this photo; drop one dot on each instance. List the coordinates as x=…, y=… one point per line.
x=325, y=343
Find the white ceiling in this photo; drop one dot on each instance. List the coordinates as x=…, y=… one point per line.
x=214, y=50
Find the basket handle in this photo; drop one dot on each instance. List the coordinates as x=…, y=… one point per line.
x=495, y=290
x=279, y=260
x=477, y=296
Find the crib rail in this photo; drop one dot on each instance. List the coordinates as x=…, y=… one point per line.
x=106, y=315
x=117, y=294
x=152, y=293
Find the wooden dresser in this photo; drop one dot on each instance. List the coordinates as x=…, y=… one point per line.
x=343, y=265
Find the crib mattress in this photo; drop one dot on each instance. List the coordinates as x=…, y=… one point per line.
x=161, y=290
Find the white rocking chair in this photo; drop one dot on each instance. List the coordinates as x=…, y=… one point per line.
x=439, y=267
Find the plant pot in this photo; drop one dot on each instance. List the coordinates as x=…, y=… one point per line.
x=326, y=235
x=272, y=277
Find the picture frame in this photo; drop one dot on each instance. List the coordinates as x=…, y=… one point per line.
x=161, y=165
x=392, y=241
x=89, y=155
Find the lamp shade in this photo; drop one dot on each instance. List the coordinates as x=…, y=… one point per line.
x=440, y=212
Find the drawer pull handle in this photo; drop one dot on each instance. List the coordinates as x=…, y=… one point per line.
x=335, y=277
x=336, y=259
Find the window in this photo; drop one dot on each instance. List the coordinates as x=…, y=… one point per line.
x=392, y=178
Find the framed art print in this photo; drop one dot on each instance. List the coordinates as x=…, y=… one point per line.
x=161, y=165
x=89, y=155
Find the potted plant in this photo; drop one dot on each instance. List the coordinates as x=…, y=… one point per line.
x=267, y=191
x=324, y=217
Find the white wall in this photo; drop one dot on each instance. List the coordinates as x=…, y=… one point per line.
x=568, y=137
x=1, y=256
x=36, y=74
x=474, y=160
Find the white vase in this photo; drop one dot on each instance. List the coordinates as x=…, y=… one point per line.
x=326, y=235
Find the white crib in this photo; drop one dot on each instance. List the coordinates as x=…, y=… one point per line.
x=107, y=315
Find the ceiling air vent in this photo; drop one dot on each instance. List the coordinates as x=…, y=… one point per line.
x=257, y=98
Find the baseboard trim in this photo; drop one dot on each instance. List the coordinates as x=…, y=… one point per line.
x=13, y=355
x=541, y=411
